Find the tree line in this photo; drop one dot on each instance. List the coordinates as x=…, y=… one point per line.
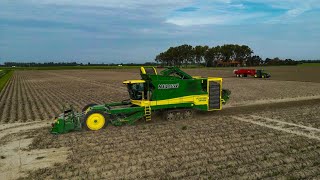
x=225, y=55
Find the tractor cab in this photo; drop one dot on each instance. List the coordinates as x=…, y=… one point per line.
x=262, y=74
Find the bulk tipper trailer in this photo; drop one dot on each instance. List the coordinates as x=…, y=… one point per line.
x=173, y=92
x=251, y=72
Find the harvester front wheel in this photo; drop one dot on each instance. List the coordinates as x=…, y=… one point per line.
x=95, y=120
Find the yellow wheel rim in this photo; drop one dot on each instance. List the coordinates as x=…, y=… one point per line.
x=95, y=121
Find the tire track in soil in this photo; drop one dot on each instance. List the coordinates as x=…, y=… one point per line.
x=309, y=132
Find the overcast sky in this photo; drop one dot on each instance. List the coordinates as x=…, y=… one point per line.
x=122, y=31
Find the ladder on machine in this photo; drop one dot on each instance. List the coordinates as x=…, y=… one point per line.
x=147, y=112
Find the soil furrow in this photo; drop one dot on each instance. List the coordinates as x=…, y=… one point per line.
x=8, y=102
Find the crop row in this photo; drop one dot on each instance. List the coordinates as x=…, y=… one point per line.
x=40, y=95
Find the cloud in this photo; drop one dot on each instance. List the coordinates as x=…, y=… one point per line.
x=69, y=28
x=187, y=9
x=228, y=19
x=228, y=12
x=126, y=4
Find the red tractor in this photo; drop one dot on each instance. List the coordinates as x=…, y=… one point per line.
x=252, y=72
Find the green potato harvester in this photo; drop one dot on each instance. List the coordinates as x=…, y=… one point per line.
x=173, y=93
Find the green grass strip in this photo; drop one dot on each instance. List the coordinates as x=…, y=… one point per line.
x=310, y=65
x=5, y=78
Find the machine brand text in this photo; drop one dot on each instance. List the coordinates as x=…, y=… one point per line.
x=168, y=86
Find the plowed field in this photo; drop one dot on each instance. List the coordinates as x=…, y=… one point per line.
x=40, y=95
x=268, y=129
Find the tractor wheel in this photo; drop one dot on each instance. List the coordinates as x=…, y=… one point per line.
x=169, y=115
x=241, y=75
x=237, y=75
x=188, y=114
x=85, y=108
x=95, y=120
x=262, y=76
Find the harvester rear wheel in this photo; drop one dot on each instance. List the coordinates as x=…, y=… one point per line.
x=188, y=114
x=95, y=120
x=169, y=115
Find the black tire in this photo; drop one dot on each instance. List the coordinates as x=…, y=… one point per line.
x=169, y=115
x=188, y=114
x=87, y=106
x=85, y=119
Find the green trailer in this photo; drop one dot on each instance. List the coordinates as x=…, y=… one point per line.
x=173, y=92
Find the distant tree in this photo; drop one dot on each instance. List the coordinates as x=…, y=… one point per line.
x=243, y=53
x=199, y=53
x=227, y=52
x=212, y=55
x=186, y=54
x=254, y=61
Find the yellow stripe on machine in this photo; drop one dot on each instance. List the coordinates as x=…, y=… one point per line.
x=133, y=81
x=195, y=99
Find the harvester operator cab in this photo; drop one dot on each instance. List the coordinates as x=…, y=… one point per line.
x=136, y=91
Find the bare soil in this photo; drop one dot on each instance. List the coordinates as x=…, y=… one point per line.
x=215, y=146
x=267, y=130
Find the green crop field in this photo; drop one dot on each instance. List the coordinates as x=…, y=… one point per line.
x=4, y=77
